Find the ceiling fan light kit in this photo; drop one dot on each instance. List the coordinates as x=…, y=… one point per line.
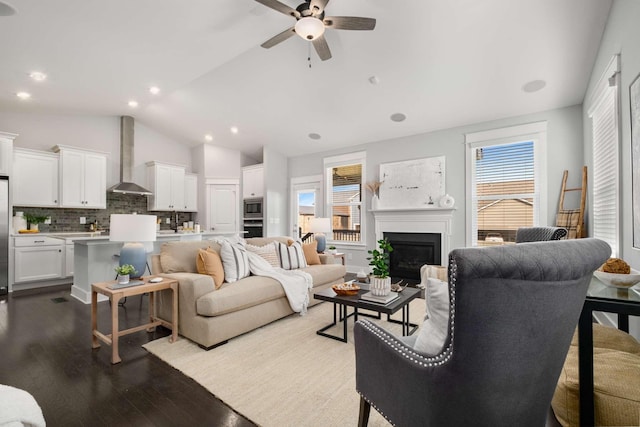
x=311, y=24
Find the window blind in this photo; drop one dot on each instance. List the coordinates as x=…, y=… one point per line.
x=606, y=166
x=504, y=191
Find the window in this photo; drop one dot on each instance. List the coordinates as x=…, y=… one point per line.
x=504, y=183
x=603, y=112
x=344, y=182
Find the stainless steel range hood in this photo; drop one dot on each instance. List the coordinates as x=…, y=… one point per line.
x=127, y=139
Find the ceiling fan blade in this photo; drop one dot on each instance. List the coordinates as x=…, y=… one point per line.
x=280, y=7
x=279, y=38
x=321, y=46
x=349, y=23
x=317, y=6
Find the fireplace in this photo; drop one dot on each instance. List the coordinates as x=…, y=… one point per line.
x=410, y=252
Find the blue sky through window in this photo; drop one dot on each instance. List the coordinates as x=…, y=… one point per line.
x=505, y=162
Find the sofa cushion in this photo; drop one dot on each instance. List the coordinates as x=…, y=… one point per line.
x=268, y=252
x=291, y=257
x=244, y=293
x=208, y=262
x=176, y=257
x=234, y=261
x=433, y=332
x=322, y=274
x=311, y=253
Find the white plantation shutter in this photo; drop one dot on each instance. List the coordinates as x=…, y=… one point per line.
x=606, y=160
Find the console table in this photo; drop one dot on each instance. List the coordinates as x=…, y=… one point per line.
x=114, y=295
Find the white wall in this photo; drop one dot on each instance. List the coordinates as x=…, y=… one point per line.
x=564, y=151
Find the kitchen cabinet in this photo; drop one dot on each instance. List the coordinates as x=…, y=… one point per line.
x=167, y=182
x=35, y=178
x=37, y=258
x=83, y=178
x=191, y=192
x=6, y=149
x=253, y=181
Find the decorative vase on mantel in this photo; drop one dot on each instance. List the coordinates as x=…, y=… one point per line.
x=375, y=202
x=380, y=286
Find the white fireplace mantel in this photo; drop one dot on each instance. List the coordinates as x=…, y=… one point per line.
x=416, y=220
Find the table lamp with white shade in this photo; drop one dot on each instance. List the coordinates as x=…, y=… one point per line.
x=319, y=226
x=135, y=231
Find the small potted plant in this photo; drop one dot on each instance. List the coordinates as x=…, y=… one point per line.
x=379, y=259
x=34, y=220
x=124, y=271
x=333, y=250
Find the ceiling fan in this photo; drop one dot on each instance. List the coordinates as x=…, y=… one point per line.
x=311, y=23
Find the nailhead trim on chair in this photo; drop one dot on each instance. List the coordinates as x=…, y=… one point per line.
x=376, y=408
x=408, y=352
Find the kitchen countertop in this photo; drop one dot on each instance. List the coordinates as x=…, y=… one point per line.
x=75, y=236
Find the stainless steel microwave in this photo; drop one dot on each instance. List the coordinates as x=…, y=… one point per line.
x=253, y=208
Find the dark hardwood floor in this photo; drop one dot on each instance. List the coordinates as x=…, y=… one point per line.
x=45, y=348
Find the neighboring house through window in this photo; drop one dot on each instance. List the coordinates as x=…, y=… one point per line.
x=505, y=174
x=344, y=182
x=604, y=114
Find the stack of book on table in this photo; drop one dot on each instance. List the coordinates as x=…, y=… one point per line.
x=369, y=297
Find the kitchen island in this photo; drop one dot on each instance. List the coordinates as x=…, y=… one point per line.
x=96, y=257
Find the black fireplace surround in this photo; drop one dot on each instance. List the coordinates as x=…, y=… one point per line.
x=410, y=252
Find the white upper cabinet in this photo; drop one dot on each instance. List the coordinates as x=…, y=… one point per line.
x=6, y=149
x=191, y=192
x=35, y=178
x=253, y=181
x=167, y=182
x=83, y=178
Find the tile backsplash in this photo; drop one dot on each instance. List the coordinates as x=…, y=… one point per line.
x=68, y=220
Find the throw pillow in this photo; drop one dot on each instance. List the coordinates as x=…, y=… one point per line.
x=208, y=262
x=234, y=262
x=434, y=330
x=311, y=253
x=268, y=252
x=291, y=257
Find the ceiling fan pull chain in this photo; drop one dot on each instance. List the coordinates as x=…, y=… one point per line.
x=309, y=54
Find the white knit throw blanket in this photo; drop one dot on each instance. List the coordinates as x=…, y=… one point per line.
x=296, y=283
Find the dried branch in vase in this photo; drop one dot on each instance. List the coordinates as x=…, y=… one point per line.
x=373, y=186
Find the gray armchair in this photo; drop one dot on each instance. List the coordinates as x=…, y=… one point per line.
x=538, y=234
x=513, y=312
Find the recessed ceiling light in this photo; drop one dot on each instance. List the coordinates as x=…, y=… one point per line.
x=234, y=129
x=23, y=95
x=154, y=90
x=534, y=86
x=208, y=137
x=314, y=136
x=374, y=80
x=398, y=117
x=38, y=76
x=6, y=10
x=133, y=104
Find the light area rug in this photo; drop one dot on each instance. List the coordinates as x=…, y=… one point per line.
x=283, y=374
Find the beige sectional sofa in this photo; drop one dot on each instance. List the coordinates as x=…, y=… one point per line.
x=210, y=317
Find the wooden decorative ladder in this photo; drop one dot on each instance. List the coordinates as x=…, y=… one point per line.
x=573, y=219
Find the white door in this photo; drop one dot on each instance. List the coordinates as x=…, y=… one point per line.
x=222, y=207
x=306, y=197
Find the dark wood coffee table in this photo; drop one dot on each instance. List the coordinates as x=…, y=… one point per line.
x=342, y=302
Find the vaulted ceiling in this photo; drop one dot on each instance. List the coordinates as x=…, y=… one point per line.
x=440, y=63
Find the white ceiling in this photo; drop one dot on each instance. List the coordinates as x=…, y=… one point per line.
x=443, y=63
